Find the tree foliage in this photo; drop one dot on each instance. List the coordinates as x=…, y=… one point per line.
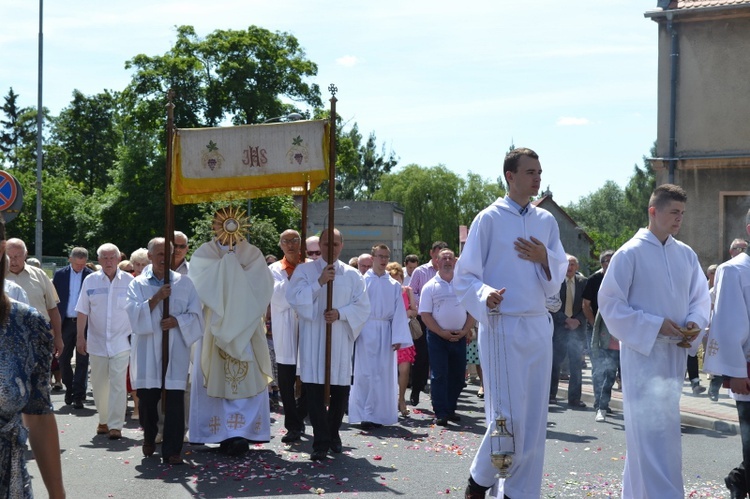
x=611, y=214
x=435, y=201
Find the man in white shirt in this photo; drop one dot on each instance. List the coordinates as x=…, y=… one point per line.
x=411, y=262
x=374, y=394
x=39, y=288
x=68, y=281
x=285, y=336
x=512, y=263
x=181, y=247
x=145, y=308
x=654, y=286
x=101, y=306
x=307, y=294
x=448, y=323
x=728, y=351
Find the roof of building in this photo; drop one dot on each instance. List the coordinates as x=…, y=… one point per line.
x=547, y=199
x=699, y=4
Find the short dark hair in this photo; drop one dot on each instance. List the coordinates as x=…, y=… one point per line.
x=438, y=245
x=411, y=259
x=513, y=157
x=665, y=193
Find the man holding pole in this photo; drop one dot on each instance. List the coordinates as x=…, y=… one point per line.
x=145, y=305
x=347, y=315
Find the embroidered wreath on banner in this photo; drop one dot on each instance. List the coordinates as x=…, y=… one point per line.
x=211, y=158
x=235, y=371
x=297, y=153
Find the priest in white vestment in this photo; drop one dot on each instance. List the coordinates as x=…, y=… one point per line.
x=145, y=305
x=728, y=352
x=232, y=365
x=307, y=294
x=285, y=336
x=512, y=263
x=374, y=395
x=653, y=287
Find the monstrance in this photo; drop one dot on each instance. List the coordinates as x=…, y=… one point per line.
x=230, y=222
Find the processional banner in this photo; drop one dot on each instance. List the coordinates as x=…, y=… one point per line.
x=248, y=161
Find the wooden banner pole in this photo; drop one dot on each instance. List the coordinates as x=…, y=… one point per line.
x=331, y=202
x=168, y=238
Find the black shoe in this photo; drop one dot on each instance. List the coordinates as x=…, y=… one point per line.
x=68, y=399
x=336, y=447
x=236, y=446
x=714, y=396
x=577, y=405
x=734, y=491
x=441, y=421
x=291, y=436
x=366, y=425
x=317, y=455
x=454, y=417
x=78, y=404
x=414, y=399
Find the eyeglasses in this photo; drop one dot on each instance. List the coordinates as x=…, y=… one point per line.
x=735, y=248
x=294, y=240
x=313, y=253
x=180, y=246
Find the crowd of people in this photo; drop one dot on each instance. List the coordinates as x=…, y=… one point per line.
x=206, y=346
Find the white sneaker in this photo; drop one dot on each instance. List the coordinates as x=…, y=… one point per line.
x=601, y=416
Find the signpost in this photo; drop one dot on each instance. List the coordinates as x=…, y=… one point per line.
x=11, y=196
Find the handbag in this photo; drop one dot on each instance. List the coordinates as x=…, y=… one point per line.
x=415, y=328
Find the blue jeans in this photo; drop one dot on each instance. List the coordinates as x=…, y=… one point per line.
x=448, y=365
x=605, y=363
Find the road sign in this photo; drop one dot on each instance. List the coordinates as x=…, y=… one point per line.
x=8, y=191
x=11, y=196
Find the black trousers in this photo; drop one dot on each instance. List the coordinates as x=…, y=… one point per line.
x=326, y=423
x=295, y=409
x=75, y=382
x=740, y=476
x=174, y=419
x=420, y=370
x=692, y=367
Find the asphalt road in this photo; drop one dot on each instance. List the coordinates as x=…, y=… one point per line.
x=413, y=459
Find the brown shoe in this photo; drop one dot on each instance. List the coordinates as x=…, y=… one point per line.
x=148, y=449
x=102, y=429
x=114, y=434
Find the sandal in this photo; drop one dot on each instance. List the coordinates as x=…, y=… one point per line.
x=402, y=408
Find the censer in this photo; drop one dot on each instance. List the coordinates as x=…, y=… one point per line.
x=502, y=443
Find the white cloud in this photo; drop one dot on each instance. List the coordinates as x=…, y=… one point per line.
x=347, y=61
x=572, y=121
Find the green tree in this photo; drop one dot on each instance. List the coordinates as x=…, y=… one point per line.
x=244, y=76
x=17, y=135
x=430, y=198
x=476, y=194
x=611, y=215
x=87, y=135
x=359, y=167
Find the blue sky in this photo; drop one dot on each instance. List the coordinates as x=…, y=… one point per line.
x=439, y=82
